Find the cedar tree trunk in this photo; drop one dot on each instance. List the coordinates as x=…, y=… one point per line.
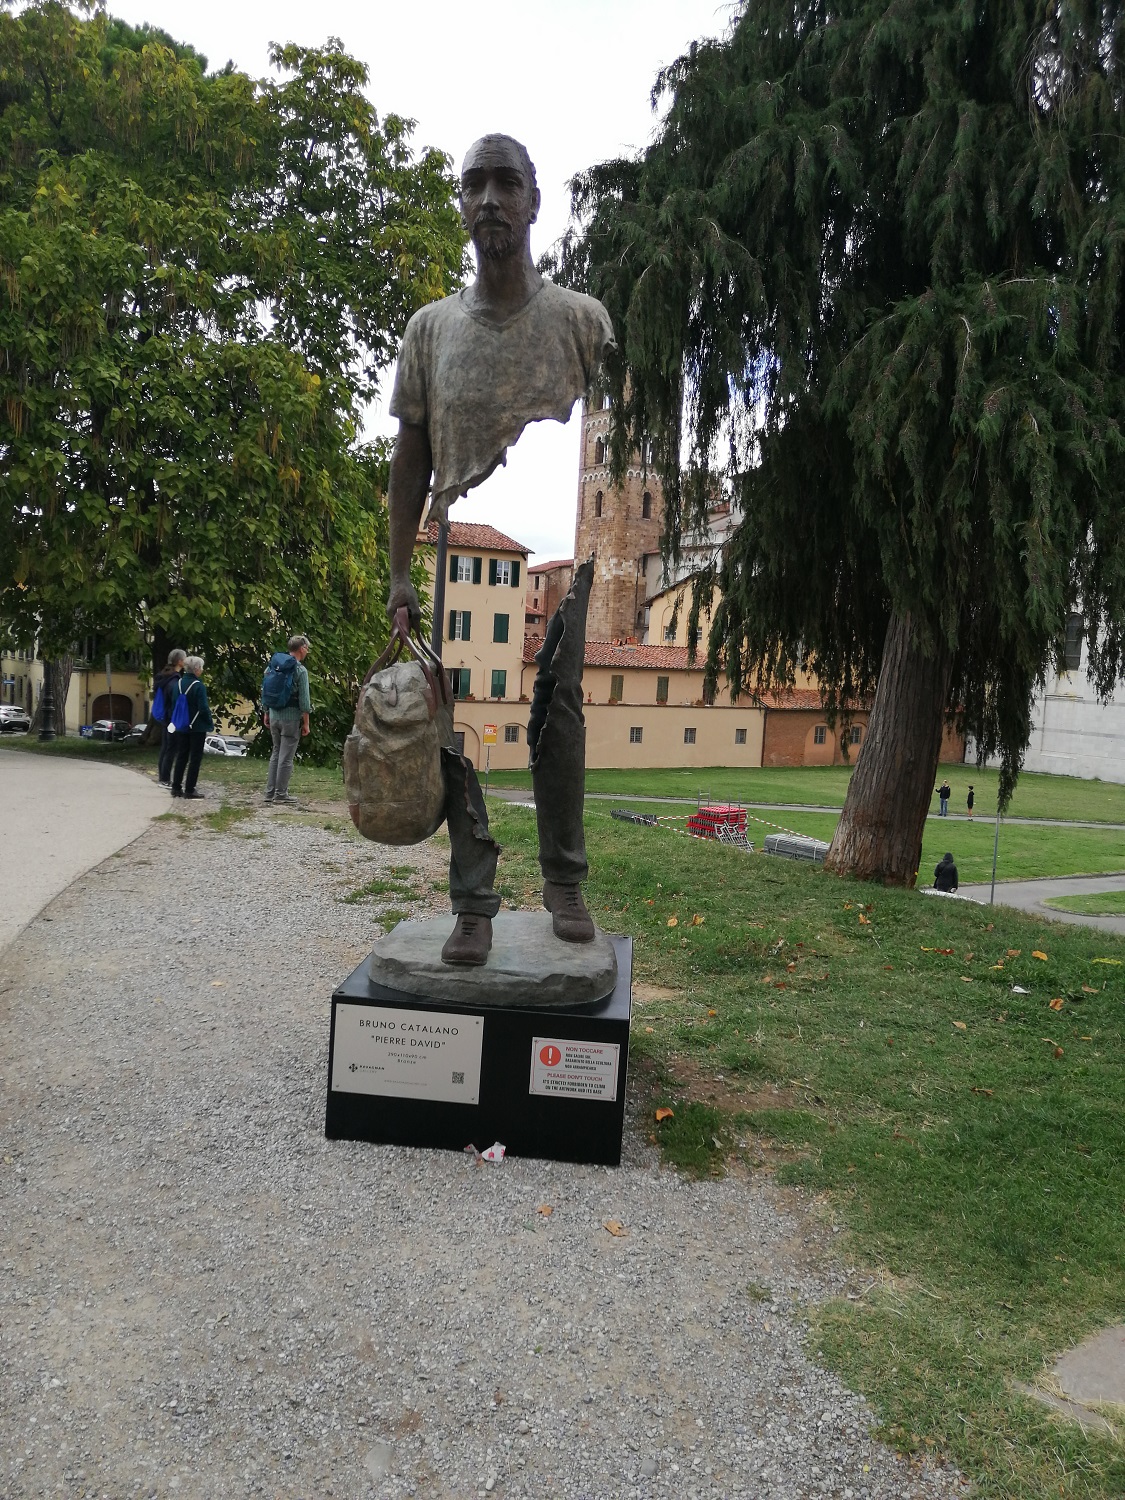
x=879, y=836
x=60, y=669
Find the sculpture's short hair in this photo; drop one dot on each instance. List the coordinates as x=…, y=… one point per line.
x=520, y=149
x=193, y=664
x=177, y=657
x=297, y=641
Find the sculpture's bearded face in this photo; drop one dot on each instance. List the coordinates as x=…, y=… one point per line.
x=499, y=197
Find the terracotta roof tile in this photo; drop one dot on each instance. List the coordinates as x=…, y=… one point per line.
x=482, y=538
x=636, y=658
x=549, y=567
x=803, y=698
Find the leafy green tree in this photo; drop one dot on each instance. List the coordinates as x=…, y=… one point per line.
x=872, y=268
x=201, y=279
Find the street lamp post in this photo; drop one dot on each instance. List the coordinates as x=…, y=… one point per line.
x=47, y=704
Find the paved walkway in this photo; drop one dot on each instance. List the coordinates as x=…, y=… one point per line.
x=61, y=818
x=1030, y=895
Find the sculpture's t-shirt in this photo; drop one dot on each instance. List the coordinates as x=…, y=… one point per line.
x=475, y=385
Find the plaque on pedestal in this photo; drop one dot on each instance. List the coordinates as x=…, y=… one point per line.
x=549, y=1082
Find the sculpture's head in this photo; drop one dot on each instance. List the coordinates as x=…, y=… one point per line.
x=499, y=196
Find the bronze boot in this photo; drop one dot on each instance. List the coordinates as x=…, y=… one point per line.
x=469, y=941
x=569, y=917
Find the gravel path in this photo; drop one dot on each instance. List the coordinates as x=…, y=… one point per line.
x=201, y=1297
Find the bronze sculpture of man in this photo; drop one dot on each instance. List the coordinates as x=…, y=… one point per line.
x=474, y=370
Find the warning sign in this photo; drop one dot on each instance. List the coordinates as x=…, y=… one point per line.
x=578, y=1070
x=489, y=735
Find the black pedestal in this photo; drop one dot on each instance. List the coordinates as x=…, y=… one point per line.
x=405, y=1071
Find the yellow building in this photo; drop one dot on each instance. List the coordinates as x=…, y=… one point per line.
x=94, y=693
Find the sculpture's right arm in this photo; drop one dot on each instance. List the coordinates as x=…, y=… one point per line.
x=411, y=467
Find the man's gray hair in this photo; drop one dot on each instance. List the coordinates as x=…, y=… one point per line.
x=193, y=664
x=297, y=641
x=520, y=149
x=177, y=657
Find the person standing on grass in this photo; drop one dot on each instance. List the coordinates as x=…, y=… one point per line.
x=943, y=792
x=189, y=741
x=969, y=800
x=288, y=725
x=165, y=685
x=945, y=874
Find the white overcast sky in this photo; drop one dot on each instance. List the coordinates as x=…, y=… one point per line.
x=570, y=78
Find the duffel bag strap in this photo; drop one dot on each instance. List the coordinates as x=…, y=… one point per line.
x=411, y=641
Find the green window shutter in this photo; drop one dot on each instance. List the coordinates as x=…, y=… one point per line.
x=476, y=569
x=617, y=687
x=452, y=625
x=466, y=616
x=499, y=682
x=500, y=627
x=492, y=572
x=452, y=568
x=662, y=690
x=516, y=574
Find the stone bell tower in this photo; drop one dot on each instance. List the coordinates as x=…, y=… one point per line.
x=620, y=524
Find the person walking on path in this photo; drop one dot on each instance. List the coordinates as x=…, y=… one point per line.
x=189, y=741
x=288, y=724
x=943, y=792
x=945, y=874
x=969, y=800
x=164, y=685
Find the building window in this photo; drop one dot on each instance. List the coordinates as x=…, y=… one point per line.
x=670, y=632
x=646, y=506
x=537, y=583
x=635, y=734
x=646, y=451
x=709, y=693
x=607, y=402
x=460, y=621
x=511, y=734
x=599, y=451
x=662, y=690
x=819, y=735
x=689, y=736
x=503, y=572
x=616, y=688
x=1072, y=653
x=855, y=734
x=598, y=498
x=740, y=736
x=499, y=682
x=500, y=627
x=464, y=569
x=459, y=680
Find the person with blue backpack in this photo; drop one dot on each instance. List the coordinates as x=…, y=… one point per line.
x=163, y=685
x=190, y=724
x=286, y=707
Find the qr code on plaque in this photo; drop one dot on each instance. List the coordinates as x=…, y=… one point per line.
x=458, y=1078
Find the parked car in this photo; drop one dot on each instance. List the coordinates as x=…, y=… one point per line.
x=136, y=734
x=13, y=720
x=224, y=744
x=110, y=729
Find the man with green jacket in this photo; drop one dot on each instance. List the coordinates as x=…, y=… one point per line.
x=287, y=726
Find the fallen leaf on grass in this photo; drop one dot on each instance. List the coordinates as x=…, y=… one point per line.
x=865, y=920
x=947, y=951
x=1057, y=1003
x=1014, y=952
x=847, y=906
x=1116, y=961
x=780, y=986
x=965, y=979
x=996, y=966
x=982, y=1091
x=1042, y=957
x=697, y=920
x=1052, y=1043
x=1090, y=990
x=960, y=1025
x=545, y=1209
x=888, y=966
x=649, y=1030
x=664, y=1113
x=616, y=1228
x=791, y=966
x=673, y=921
x=712, y=1012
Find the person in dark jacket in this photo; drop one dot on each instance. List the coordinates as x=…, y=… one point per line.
x=943, y=793
x=969, y=800
x=189, y=741
x=945, y=874
x=163, y=684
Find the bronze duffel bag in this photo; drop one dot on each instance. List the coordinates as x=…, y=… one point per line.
x=392, y=757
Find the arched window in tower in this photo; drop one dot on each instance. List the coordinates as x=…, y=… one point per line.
x=599, y=451
x=598, y=498
x=606, y=402
x=646, y=506
x=646, y=451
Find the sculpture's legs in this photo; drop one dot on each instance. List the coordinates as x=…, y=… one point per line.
x=556, y=735
x=473, y=853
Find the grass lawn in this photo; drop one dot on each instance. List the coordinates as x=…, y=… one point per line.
x=869, y=1045
x=1036, y=796
x=1100, y=904
x=1027, y=851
